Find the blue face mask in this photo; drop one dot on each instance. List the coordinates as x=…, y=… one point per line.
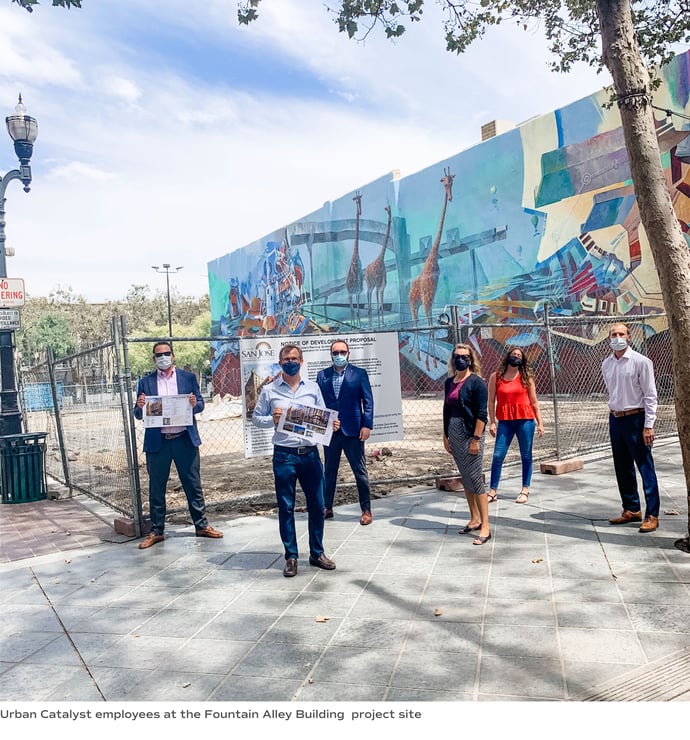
x=340, y=360
x=291, y=368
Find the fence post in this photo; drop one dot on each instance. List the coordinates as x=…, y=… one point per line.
x=124, y=378
x=552, y=373
x=58, y=420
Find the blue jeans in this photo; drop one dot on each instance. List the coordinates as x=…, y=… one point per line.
x=506, y=430
x=186, y=457
x=288, y=468
x=629, y=449
x=354, y=452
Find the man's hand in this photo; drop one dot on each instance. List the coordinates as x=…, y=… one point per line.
x=192, y=399
x=277, y=413
x=364, y=434
x=336, y=424
x=141, y=400
x=648, y=436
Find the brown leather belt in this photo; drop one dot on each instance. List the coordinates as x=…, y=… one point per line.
x=173, y=436
x=629, y=412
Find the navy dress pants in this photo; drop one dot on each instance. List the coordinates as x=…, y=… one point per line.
x=629, y=450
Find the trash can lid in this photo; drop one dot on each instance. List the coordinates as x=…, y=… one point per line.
x=28, y=437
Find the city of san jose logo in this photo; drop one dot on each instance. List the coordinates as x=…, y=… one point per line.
x=262, y=350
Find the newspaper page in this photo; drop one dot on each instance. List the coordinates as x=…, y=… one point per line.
x=167, y=411
x=310, y=422
x=377, y=353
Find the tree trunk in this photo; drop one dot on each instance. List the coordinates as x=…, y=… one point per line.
x=671, y=255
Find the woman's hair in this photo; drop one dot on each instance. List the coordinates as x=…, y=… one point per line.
x=475, y=366
x=525, y=368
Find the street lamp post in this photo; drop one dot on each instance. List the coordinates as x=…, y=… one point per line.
x=166, y=269
x=23, y=130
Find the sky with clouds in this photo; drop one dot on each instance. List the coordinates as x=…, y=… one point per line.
x=170, y=134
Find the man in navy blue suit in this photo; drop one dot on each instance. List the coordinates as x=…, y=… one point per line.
x=165, y=445
x=346, y=389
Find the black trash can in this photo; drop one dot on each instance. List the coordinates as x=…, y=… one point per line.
x=22, y=468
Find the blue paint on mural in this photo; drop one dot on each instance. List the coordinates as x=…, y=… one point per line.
x=544, y=213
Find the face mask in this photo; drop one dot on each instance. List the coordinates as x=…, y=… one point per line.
x=163, y=362
x=514, y=361
x=461, y=362
x=618, y=343
x=291, y=368
x=340, y=360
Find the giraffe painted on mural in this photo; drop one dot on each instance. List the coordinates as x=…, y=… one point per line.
x=423, y=288
x=355, y=276
x=375, y=276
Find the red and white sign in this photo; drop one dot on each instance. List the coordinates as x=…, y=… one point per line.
x=12, y=293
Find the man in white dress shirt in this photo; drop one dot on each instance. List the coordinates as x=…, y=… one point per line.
x=629, y=378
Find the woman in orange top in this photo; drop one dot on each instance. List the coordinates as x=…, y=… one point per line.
x=513, y=401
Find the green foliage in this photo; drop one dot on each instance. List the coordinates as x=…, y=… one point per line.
x=50, y=330
x=246, y=11
x=28, y=4
x=571, y=27
x=90, y=324
x=189, y=355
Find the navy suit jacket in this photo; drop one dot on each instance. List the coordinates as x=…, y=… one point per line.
x=186, y=384
x=355, y=404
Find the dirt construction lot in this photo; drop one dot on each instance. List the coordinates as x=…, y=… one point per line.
x=236, y=485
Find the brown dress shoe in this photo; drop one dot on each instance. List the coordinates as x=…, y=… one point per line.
x=626, y=517
x=150, y=539
x=290, y=568
x=322, y=562
x=328, y=513
x=649, y=524
x=367, y=518
x=209, y=532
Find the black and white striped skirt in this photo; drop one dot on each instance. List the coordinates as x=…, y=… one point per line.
x=469, y=466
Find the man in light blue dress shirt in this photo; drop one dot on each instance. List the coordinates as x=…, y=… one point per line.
x=294, y=458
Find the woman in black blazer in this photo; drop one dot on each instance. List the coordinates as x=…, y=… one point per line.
x=464, y=420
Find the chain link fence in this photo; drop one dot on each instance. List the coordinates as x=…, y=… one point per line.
x=84, y=403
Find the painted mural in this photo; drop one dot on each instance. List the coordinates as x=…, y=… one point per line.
x=542, y=214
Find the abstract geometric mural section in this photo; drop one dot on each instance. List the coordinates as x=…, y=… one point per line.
x=544, y=214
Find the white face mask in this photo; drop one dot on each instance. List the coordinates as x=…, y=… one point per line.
x=618, y=343
x=163, y=362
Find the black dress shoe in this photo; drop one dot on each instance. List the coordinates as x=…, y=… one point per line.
x=290, y=568
x=322, y=562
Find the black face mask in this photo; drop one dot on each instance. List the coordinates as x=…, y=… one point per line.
x=461, y=362
x=514, y=361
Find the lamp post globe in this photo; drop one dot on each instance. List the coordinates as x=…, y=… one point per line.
x=23, y=131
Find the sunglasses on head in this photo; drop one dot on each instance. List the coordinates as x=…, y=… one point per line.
x=162, y=354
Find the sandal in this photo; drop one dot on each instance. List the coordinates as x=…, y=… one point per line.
x=491, y=497
x=482, y=540
x=522, y=497
x=467, y=529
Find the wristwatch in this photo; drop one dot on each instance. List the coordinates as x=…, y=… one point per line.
x=474, y=436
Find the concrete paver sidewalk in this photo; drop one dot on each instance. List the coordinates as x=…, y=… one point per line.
x=557, y=605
